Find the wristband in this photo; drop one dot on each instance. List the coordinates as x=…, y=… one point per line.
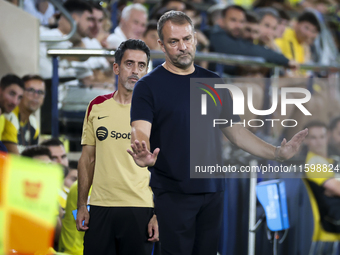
x=277, y=158
x=81, y=206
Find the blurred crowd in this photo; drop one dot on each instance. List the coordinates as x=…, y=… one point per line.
x=284, y=33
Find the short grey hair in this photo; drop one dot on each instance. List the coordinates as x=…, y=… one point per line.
x=175, y=17
x=127, y=10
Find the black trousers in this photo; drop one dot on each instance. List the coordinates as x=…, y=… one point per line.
x=189, y=224
x=118, y=231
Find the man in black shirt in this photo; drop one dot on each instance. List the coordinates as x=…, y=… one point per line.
x=189, y=211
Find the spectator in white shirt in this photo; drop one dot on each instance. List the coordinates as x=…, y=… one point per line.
x=132, y=25
x=41, y=9
x=81, y=12
x=102, y=73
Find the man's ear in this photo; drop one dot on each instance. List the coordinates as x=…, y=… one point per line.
x=161, y=44
x=116, y=68
x=195, y=38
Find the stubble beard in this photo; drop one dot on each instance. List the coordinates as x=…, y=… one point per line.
x=182, y=63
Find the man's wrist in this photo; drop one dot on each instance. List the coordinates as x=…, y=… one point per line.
x=276, y=154
x=79, y=206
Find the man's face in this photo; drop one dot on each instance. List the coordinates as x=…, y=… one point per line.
x=85, y=23
x=71, y=177
x=317, y=140
x=335, y=136
x=98, y=17
x=251, y=31
x=59, y=154
x=150, y=40
x=306, y=32
x=234, y=22
x=134, y=65
x=10, y=97
x=281, y=27
x=176, y=6
x=135, y=26
x=33, y=96
x=179, y=44
x=267, y=29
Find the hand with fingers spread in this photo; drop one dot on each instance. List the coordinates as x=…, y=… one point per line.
x=141, y=154
x=82, y=216
x=289, y=149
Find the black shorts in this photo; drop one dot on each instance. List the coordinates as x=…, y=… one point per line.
x=118, y=231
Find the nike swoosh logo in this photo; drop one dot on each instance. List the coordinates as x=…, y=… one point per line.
x=99, y=118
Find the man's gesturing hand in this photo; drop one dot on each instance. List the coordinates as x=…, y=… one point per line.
x=141, y=155
x=288, y=150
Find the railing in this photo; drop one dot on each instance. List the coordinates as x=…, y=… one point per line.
x=218, y=58
x=68, y=16
x=211, y=57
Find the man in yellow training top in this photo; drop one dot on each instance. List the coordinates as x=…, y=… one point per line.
x=121, y=219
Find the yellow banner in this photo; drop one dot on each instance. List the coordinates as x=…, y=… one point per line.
x=29, y=203
x=31, y=186
x=2, y=231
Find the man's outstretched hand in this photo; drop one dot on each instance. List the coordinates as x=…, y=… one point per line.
x=141, y=155
x=289, y=149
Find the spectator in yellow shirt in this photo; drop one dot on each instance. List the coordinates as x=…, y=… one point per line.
x=293, y=41
x=320, y=176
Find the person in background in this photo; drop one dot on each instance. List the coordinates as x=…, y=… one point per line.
x=81, y=12
x=39, y=152
x=203, y=43
x=132, y=25
x=71, y=240
x=231, y=32
x=102, y=74
x=292, y=44
x=320, y=169
x=268, y=22
x=21, y=126
x=41, y=9
x=57, y=150
x=150, y=38
x=283, y=23
x=59, y=156
x=11, y=92
x=251, y=28
x=150, y=35
x=215, y=16
x=295, y=45
x=176, y=5
x=104, y=32
x=334, y=138
x=72, y=174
